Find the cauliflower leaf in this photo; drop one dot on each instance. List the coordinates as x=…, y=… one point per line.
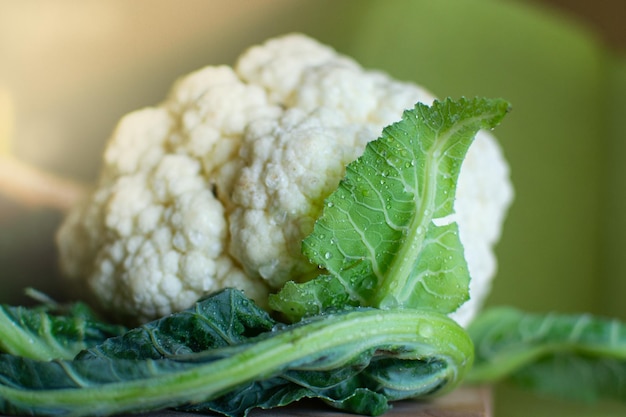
x=572, y=356
x=225, y=354
x=386, y=237
x=50, y=330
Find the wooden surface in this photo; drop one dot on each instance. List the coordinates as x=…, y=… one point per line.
x=463, y=402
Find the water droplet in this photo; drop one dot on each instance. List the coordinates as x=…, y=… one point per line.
x=328, y=255
x=330, y=204
x=425, y=330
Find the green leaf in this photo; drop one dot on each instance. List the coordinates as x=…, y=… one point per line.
x=52, y=331
x=578, y=356
x=383, y=238
x=354, y=360
x=225, y=318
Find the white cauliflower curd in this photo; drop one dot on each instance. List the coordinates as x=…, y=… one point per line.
x=218, y=185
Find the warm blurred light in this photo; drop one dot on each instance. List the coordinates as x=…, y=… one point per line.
x=32, y=187
x=6, y=122
x=26, y=184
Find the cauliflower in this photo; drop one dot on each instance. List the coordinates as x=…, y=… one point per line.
x=218, y=185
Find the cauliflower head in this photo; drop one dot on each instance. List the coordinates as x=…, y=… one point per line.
x=217, y=186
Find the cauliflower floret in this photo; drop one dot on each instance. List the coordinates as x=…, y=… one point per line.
x=291, y=165
x=218, y=185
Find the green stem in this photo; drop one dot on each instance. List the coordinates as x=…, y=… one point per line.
x=426, y=334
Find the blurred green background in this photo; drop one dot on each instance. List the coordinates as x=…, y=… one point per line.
x=69, y=70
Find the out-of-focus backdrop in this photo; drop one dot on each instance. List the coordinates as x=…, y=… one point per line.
x=69, y=70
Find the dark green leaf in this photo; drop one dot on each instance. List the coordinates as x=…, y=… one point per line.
x=355, y=360
x=223, y=319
